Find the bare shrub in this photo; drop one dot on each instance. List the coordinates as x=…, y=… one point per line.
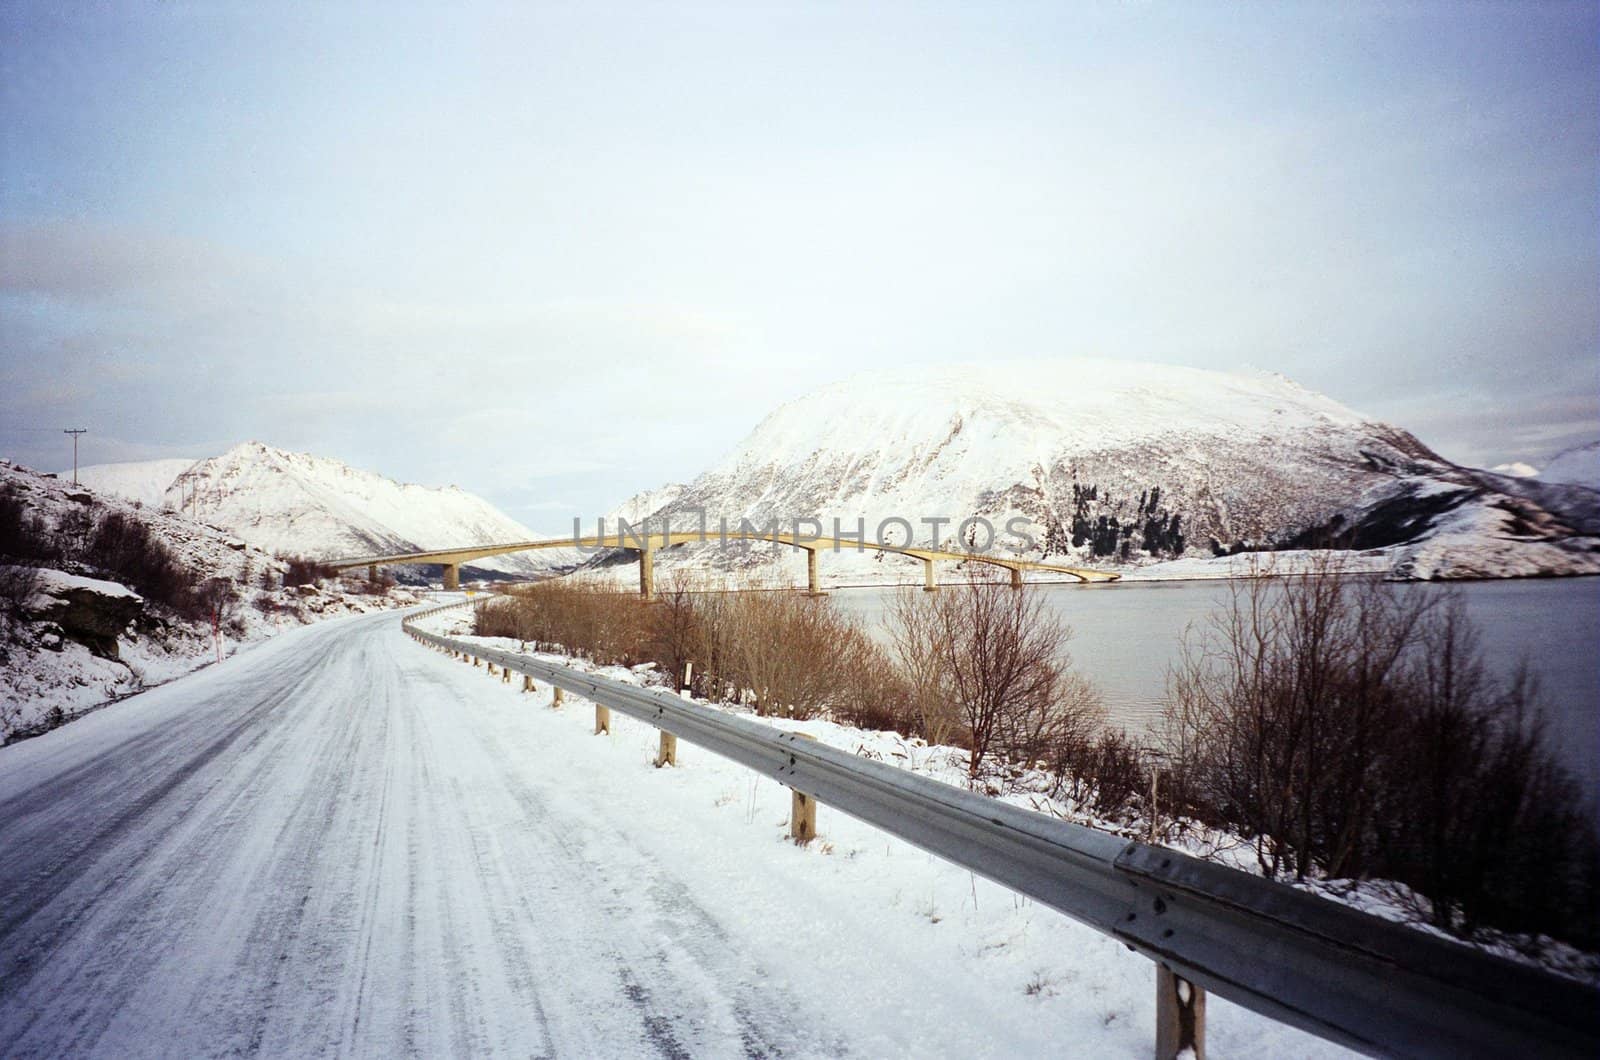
x=1106, y=771
x=361, y=585
x=785, y=653
x=22, y=535
x=124, y=547
x=792, y=651
x=18, y=585
x=920, y=650
x=1348, y=727
x=74, y=529
x=999, y=656
x=216, y=599
x=302, y=570
x=568, y=614
x=1005, y=662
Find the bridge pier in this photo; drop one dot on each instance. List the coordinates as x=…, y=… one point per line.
x=929, y=583
x=452, y=576
x=647, y=573
x=813, y=585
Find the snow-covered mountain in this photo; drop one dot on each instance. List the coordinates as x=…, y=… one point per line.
x=638, y=507
x=145, y=481
x=316, y=506
x=1109, y=462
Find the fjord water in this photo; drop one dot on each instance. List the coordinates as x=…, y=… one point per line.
x=1125, y=636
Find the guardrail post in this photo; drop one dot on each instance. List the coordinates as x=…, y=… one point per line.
x=602, y=720
x=527, y=683
x=668, y=755
x=1180, y=1017
x=802, y=810
x=505, y=675
x=475, y=661
x=555, y=700
x=492, y=670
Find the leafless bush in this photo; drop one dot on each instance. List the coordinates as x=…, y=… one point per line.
x=361, y=585
x=1106, y=771
x=585, y=618
x=784, y=653
x=999, y=656
x=216, y=599
x=17, y=585
x=126, y=548
x=22, y=535
x=1349, y=727
x=792, y=652
x=302, y=570
x=920, y=650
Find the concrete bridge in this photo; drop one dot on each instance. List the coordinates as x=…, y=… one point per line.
x=647, y=544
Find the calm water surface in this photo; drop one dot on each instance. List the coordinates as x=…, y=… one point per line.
x=1125, y=635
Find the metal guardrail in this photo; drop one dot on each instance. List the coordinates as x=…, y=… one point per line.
x=1375, y=986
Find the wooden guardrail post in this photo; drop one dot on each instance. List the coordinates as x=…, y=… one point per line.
x=1180, y=1017
x=555, y=699
x=802, y=810
x=505, y=675
x=527, y=683
x=602, y=720
x=668, y=754
x=492, y=670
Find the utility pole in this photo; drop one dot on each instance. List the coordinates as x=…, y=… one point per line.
x=75, y=431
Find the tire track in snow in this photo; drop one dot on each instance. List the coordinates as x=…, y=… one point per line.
x=329, y=850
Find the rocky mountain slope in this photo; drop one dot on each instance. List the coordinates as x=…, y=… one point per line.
x=316, y=506
x=1114, y=464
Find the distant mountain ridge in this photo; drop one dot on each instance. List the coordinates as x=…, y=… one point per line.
x=145, y=481
x=1578, y=466
x=317, y=506
x=1113, y=463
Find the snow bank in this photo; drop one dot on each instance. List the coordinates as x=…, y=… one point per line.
x=1031, y=789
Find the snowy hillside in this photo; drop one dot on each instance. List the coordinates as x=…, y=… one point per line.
x=1578, y=466
x=310, y=505
x=639, y=507
x=1111, y=463
x=75, y=633
x=145, y=481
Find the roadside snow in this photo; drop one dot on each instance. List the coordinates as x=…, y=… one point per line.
x=908, y=954
x=1031, y=789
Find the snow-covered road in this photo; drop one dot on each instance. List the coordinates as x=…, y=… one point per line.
x=341, y=843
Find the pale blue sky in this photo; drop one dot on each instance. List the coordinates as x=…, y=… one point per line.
x=559, y=254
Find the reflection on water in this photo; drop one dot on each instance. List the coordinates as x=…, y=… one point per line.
x=1126, y=634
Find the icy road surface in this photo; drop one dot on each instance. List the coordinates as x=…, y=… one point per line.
x=343, y=844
